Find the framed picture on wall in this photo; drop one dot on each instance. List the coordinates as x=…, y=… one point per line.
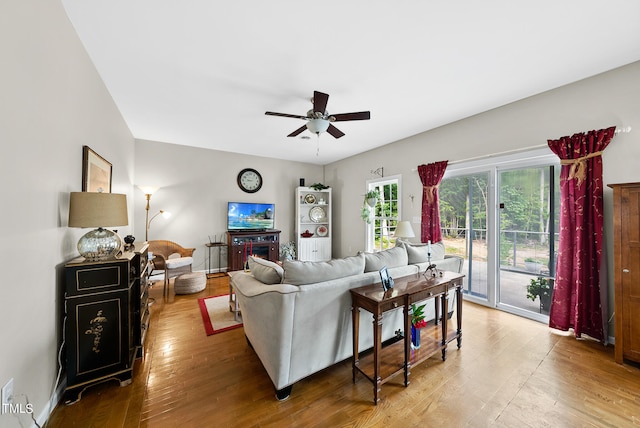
x=96, y=172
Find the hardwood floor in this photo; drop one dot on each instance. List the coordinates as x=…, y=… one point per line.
x=510, y=372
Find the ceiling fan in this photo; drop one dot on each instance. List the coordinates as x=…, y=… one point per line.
x=319, y=120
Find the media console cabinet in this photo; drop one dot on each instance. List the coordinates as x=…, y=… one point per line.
x=244, y=243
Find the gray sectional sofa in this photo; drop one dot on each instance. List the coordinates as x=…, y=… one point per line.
x=297, y=317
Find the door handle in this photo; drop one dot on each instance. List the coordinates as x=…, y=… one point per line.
x=625, y=270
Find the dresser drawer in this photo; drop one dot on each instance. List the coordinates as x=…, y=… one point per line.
x=97, y=278
x=434, y=291
x=388, y=305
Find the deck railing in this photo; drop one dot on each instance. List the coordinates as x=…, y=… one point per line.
x=520, y=250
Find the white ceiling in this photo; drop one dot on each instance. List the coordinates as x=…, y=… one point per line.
x=202, y=72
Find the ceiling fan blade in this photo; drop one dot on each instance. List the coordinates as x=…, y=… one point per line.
x=361, y=115
x=297, y=131
x=335, y=131
x=295, y=116
x=320, y=100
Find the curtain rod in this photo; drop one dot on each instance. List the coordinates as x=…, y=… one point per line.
x=623, y=130
x=506, y=152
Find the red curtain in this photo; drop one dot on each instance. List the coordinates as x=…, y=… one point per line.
x=431, y=176
x=578, y=299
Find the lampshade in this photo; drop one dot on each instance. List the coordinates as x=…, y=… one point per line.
x=318, y=126
x=90, y=209
x=148, y=190
x=404, y=230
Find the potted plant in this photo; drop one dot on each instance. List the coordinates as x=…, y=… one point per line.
x=540, y=287
x=318, y=187
x=371, y=197
x=370, y=201
x=288, y=251
x=417, y=322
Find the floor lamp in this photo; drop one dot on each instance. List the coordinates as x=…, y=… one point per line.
x=148, y=191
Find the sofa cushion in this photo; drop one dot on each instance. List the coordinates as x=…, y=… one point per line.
x=417, y=253
x=450, y=263
x=265, y=271
x=177, y=262
x=393, y=257
x=299, y=273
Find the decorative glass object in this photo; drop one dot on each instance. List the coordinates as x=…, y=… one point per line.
x=99, y=244
x=415, y=337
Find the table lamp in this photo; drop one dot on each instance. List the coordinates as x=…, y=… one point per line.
x=403, y=230
x=91, y=209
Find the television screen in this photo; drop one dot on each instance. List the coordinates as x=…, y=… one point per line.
x=250, y=216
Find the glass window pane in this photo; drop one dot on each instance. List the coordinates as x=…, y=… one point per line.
x=385, y=215
x=527, y=235
x=463, y=218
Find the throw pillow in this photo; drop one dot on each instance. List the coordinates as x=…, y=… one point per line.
x=299, y=273
x=393, y=257
x=418, y=253
x=265, y=271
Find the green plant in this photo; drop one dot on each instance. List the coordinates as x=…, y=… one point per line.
x=530, y=259
x=539, y=287
x=318, y=186
x=365, y=213
x=417, y=316
x=372, y=194
x=288, y=251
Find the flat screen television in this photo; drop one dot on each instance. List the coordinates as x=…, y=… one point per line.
x=250, y=216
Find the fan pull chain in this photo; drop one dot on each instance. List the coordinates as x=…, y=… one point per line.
x=318, y=145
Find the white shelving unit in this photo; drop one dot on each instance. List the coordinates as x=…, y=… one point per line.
x=313, y=216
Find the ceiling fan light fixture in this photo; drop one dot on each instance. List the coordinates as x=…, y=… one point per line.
x=319, y=120
x=318, y=126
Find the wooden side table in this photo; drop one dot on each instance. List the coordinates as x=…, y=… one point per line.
x=385, y=363
x=219, y=246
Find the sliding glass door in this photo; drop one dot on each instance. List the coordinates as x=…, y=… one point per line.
x=528, y=224
x=503, y=219
x=463, y=217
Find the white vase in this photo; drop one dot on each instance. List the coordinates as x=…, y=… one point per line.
x=372, y=202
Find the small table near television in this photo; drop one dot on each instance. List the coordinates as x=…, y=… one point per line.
x=219, y=246
x=244, y=243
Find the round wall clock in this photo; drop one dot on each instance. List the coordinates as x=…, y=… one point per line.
x=249, y=180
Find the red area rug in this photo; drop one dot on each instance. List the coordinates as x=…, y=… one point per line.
x=216, y=315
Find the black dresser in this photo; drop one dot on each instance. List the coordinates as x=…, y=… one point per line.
x=107, y=317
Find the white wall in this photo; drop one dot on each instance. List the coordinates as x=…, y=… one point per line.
x=53, y=102
x=195, y=186
x=599, y=102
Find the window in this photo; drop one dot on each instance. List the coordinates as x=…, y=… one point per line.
x=385, y=214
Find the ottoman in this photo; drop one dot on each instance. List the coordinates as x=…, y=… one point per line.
x=189, y=283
